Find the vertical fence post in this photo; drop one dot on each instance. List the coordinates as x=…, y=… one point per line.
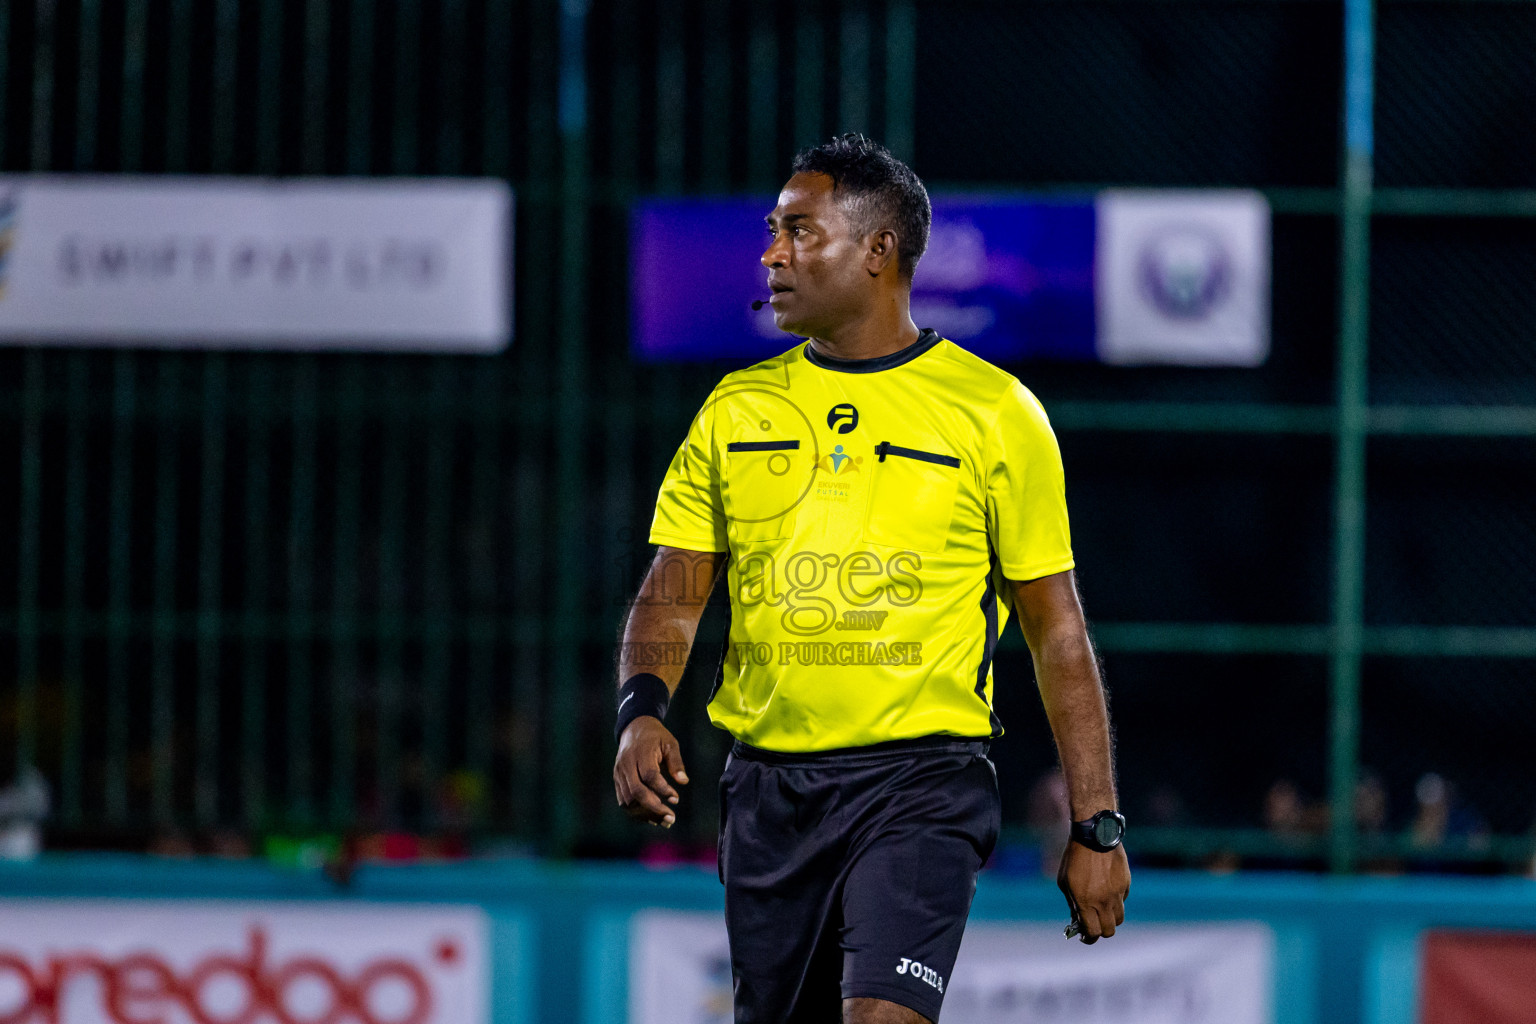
x=671, y=96
x=226, y=55
x=716, y=99
x=317, y=67
x=531, y=684
x=900, y=77
x=1349, y=479
x=441, y=514
x=345, y=594
x=30, y=483
x=809, y=80
x=29, y=557
x=43, y=46
x=570, y=608
x=254, y=675
x=853, y=70
x=762, y=98
x=87, y=87
x=495, y=156
x=5, y=74
x=72, y=782
x=119, y=565
x=163, y=632
x=389, y=687
x=178, y=89
x=210, y=587
x=299, y=737
x=269, y=89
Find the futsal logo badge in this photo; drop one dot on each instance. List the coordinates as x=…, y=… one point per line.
x=838, y=461
x=843, y=418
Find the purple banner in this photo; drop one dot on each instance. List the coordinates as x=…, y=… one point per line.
x=1006, y=279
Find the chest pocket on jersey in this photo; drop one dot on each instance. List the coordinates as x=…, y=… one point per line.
x=764, y=482
x=911, y=498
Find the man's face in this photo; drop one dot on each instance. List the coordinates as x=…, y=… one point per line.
x=817, y=268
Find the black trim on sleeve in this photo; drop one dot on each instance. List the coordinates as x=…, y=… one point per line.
x=926, y=339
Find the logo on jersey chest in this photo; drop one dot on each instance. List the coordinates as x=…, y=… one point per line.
x=836, y=469
x=843, y=418
x=839, y=462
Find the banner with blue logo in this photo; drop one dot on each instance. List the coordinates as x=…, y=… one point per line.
x=1124, y=277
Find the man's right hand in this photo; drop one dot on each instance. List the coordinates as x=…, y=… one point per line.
x=649, y=762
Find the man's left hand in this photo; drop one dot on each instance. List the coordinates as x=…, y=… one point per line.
x=1095, y=885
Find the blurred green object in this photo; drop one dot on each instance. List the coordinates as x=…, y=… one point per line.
x=302, y=853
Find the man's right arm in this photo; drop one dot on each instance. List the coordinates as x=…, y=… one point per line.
x=658, y=636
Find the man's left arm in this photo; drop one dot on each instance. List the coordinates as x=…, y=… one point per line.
x=1095, y=884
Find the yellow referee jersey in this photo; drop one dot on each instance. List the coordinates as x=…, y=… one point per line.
x=872, y=510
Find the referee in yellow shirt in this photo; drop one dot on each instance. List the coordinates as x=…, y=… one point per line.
x=874, y=494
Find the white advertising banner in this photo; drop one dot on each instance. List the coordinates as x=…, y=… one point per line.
x=1182, y=277
x=679, y=969
x=1146, y=974
x=1217, y=973
x=381, y=264
x=151, y=962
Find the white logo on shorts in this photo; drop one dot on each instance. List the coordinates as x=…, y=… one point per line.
x=918, y=971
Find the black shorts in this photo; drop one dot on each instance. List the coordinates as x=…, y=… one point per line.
x=850, y=874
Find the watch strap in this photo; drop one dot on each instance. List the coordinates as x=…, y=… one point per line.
x=1086, y=832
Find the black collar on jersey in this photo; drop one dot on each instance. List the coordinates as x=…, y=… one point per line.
x=926, y=339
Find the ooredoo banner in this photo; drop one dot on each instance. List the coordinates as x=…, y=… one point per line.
x=81, y=962
x=391, y=264
x=1207, y=973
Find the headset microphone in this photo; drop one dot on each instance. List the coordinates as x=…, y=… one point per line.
x=759, y=304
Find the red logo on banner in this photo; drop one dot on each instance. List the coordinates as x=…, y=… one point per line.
x=141, y=988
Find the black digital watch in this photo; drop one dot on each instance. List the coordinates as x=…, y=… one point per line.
x=1100, y=833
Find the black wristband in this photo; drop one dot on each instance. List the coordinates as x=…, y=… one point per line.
x=1100, y=833
x=642, y=694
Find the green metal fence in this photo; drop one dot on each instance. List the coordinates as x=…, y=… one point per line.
x=297, y=593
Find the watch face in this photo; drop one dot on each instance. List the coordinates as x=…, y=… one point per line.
x=1107, y=829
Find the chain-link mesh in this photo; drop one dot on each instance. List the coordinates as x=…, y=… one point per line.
x=1450, y=542
x=1158, y=94
x=257, y=591
x=1453, y=311
x=1170, y=527
x=1454, y=88
x=1450, y=534
x=264, y=582
x=1442, y=736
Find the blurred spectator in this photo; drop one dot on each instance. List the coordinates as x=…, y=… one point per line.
x=24, y=805
x=1284, y=810
x=1371, y=805
x=229, y=845
x=1441, y=816
x=172, y=843
x=1371, y=819
x=1223, y=862
x=1295, y=823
